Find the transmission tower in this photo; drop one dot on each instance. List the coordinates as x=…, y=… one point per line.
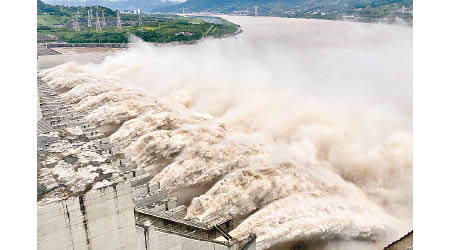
x=103, y=19
x=89, y=18
x=98, y=27
x=76, y=25
x=119, y=23
x=140, y=23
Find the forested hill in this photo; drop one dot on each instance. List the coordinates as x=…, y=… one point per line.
x=59, y=10
x=71, y=25
x=369, y=10
x=144, y=5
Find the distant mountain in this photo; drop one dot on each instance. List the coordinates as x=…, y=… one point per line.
x=231, y=5
x=327, y=9
x=45, y=8
x=144, y=5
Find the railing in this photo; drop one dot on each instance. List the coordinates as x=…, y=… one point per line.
x=186, y=235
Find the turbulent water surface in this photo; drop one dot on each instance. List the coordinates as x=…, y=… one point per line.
x=300, y=129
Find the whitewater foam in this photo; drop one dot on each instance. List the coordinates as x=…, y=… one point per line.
x=306, y=141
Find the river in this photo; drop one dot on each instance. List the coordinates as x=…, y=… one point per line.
x=300, y=129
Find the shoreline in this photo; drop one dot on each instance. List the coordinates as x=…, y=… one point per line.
x=127, y=45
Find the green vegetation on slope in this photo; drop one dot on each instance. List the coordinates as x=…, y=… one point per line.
x=57, y=22
x=361, y=10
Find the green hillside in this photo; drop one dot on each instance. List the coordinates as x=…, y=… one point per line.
x=361, y=10
x=57, y=22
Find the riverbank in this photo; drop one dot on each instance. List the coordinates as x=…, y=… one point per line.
x=52, y=48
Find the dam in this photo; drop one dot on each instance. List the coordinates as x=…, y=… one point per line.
x=309, y=172
x=92, y=196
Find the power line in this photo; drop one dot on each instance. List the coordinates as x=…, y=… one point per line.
x=140, y=23
x=89, y=18
x=119, y=23
x=76, y=25
x=103, y=19
x=98, y=27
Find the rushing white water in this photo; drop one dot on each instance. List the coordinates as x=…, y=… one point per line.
x=301, y=128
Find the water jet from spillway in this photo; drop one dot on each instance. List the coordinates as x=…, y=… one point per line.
x=309, y=138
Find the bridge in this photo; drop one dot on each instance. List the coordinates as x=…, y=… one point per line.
x=253, y=11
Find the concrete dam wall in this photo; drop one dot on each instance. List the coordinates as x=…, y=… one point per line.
x=92, y=197
x=101, y=219
x=104, y=220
